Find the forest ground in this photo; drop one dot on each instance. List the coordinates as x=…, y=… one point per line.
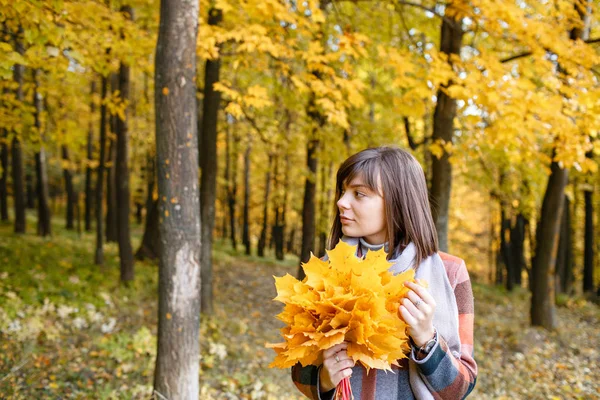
x=68, y=329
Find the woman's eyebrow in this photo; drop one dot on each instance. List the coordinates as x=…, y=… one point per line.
x=358, y=185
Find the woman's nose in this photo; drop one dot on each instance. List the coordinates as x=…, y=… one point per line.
x=342, y=202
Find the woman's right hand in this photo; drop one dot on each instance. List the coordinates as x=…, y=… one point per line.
x=336, y=366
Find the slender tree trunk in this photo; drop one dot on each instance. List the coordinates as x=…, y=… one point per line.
x=99, y=256
x=208, y=164
x=308, y=208
x=517, y=241
x=30, y=197
x=245, y=225
x=232, y=188
x=178, y=354
x=68, y=176
x=121, y=168
x=506, y=247
x=89, y=190
x=3, y=177
x=542, y=269
x=564, y=258
x=443, y=131
x=150, y=240
x=17, y=151
x=588, y=253
x=277, y=231
x=262, y=242
x=112, y=225
x=43, y=224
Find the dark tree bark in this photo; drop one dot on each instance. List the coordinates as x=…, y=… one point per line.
x=17, y=151
x=3, y=176
x=231, y=180
x=89, y=190
x=564, y=257
x=71, y=198
x=178, y=355
x=262, y=242
x=43, y=194
x=121, y=168
x=588, y=252
x=99, y=256
x=245, y=224
x=506, y=247
x=30, y=192
x=278, y=226
x=208, y=165
x=112, y=224
x=308, y=207
x=150, y=241
x=443, y=130
x=517, y=240
x=542, y=268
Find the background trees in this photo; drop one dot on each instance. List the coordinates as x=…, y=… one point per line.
x=497, y=99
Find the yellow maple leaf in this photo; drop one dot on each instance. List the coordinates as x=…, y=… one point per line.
x=345, y=298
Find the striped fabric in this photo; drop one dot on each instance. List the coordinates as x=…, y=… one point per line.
x=446, y=375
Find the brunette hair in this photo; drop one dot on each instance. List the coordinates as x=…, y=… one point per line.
x=404, y=190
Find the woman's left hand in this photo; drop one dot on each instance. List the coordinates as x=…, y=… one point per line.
x=417, y=311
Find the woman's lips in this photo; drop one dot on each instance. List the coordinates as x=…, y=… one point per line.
x=345, y=220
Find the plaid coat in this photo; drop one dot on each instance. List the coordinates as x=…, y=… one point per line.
x=447, y=376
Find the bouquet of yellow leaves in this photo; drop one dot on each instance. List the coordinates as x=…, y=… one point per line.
x=343, y=299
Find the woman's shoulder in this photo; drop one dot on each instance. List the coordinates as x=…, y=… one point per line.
x=456, y=268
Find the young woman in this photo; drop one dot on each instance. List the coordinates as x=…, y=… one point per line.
x=381, y=198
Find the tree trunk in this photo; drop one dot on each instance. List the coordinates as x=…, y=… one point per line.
x=542, y=268
x=43, y=224
x=150, y=241
x=564, y=257
x=506, y=247
x=112, y=224
x=178, y=354
x=99, y=256
x=588, y=255
x=231, y=179
x=245, y=227
x=517, y=241
x=262, y=242
x=122, y=171
x=68, y=176
x=308, y=207
x=89, y=189
x=208, y=164
x=3, y=177
x=277, y=231
x=443, y=131
x=17, y=151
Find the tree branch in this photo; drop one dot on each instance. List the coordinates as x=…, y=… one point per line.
x=528, y=53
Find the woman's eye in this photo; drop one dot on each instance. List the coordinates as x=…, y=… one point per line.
x=359, y=194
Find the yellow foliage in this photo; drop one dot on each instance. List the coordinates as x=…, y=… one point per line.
x=343, y=299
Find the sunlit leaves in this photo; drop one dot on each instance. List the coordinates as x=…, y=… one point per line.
x=343, y=299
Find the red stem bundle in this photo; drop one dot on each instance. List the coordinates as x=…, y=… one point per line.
x=344, y=391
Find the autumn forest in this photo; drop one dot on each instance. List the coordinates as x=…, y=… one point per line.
x=161, y=161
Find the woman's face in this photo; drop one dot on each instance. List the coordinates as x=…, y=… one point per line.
x=362, y=212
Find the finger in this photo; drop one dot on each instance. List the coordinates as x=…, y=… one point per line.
x=422, y=292
x=334, y=349
x=414, y=298
x=341, y=355
x=407, y=316
x=414, y=311
x=344, y=373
